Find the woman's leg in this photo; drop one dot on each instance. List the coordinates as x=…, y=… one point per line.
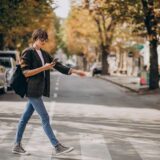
x=23, y=121
x=41, y=110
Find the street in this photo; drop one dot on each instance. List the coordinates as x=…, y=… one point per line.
x=99, y=119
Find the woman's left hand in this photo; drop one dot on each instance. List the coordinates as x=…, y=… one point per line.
x=79, y=72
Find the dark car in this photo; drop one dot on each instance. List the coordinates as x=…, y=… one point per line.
x=96, y=69
x=3, y=84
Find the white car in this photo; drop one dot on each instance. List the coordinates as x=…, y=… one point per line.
x=9, y=53
x=10, y=64
x=3, y=84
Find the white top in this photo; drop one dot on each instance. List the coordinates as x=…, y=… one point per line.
x=40, y=56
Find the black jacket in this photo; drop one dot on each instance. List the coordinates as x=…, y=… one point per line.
x=39, y=84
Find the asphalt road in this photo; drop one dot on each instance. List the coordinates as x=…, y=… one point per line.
x=102, y=121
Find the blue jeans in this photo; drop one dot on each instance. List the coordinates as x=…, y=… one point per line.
x=38, y=105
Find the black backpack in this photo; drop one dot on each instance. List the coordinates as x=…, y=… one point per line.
x=18, y=82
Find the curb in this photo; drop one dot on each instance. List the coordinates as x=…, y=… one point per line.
x=118, y=84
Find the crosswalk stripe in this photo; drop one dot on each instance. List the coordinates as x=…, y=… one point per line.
x=38, y=145
x=5, y=132
x=147, y=149
x=51, y=111
x=56, y=88
x=69, y=140
x=55, y=95
x=93, y=147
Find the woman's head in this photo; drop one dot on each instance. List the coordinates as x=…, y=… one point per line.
x=39, y=37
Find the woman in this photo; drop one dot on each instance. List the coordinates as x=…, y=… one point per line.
x=36, y=64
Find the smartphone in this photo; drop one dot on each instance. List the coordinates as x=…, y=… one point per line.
x=55, y=60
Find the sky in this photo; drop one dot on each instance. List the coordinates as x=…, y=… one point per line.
x=63, y=8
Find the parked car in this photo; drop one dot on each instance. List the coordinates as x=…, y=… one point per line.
x=71, y=64
x=96, y=69
x=3, y=84
x=10, y=64
x=9, y=53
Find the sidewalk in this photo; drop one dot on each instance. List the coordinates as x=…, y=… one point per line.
x=129, y=82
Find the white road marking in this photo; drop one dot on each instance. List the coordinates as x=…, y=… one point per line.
x=38, y=145
x=58, y=79
x=51, y=111
x=69, y=140
x=55, y=95
x=93, y=147
x=147, y=149
x=151, y=116
x=4, y=132
x=56, y=88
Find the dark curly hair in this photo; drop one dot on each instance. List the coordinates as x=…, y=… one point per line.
x=39, y=34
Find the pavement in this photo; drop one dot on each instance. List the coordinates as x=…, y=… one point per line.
x=102, y=121
x=129, y=82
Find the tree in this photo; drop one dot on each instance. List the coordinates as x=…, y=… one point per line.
x=107, y=15
x=18, y=21
x=80, y=38
x=151, y=26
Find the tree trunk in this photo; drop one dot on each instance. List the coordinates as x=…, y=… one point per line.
x=106, y=44
x=105, y=65
x=103, y=49
x=121, y=63
x=84, y=63
x=154, y=75
x=151, y=25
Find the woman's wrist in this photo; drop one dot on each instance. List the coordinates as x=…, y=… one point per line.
x=70, y=71
x=73, y=71
x=42, y=69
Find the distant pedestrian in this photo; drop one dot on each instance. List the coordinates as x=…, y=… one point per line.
x=36, y=64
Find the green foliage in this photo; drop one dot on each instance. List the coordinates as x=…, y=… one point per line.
x=18, y=19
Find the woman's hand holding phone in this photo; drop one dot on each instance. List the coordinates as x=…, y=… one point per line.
x=48, y=66
x=54, y=62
